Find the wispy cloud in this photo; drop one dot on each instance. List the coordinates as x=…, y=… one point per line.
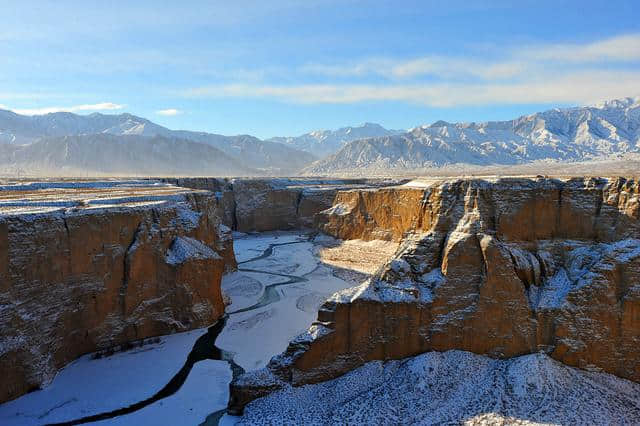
x=514, y=62
x=580, y=87
x=437, y=66
x=624, y=48
x=169, y=112
x=104, y=106
x=553, y=73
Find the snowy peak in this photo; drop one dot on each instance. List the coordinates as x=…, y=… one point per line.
x=577, y=134
x=325, y=142
x=439, y=123
x=628, y=102
x=27, y=129
x=36, y=133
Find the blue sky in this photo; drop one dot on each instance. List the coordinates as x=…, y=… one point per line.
x=288, y=67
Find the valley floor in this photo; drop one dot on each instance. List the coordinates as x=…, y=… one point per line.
x=91, y=386
x=283, y=278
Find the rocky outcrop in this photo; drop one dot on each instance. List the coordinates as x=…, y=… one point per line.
x=502, y=268
x=221, y=188
x=78, y=280
x=374, y=214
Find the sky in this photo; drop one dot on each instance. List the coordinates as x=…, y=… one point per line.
x=286, y=67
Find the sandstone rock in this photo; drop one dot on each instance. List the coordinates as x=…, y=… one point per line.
x=258, y=205
x=79, y=280
x=282, y=204
x=222, y=189
x=501, y=268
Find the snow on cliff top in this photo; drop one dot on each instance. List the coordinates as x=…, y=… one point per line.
x=185, y=248
x=19, y=198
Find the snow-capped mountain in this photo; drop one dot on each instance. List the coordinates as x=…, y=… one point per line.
x=576, y=134
x=24, y=129
x=326, y=142
x=263, y=157
x=123, y=155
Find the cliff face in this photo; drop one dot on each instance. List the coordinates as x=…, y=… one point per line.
x=77, y=280
x=500, y=268
x=374, y=214
x=258, y=205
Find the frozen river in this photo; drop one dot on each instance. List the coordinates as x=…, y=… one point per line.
x=280, y=283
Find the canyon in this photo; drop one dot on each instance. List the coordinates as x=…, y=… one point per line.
x=317, y=283
x=502, y=267
x=92, y=266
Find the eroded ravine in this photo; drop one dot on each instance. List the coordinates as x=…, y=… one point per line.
x=269, y=296
x=205, y=348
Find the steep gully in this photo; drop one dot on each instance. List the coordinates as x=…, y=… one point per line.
x=205, y=348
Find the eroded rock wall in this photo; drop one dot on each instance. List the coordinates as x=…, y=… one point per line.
x=259, y=205
x=81, y=280
x=501, y=268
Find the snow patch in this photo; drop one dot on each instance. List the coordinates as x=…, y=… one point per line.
x=455, y=387
x=184, y=248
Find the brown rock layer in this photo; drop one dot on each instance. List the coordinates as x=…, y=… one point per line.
x=500, y=268
x=258, y=205
x=81, y=280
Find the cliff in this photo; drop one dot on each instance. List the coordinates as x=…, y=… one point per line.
x=258, y=205
x=79, y=275
x=502, y=268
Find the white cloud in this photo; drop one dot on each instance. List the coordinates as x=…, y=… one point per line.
x=554, y=73
x=169, y=112
x=624, y=48
x=105, y=106
x=513, y=63
x=577, y=87
x=456, y=67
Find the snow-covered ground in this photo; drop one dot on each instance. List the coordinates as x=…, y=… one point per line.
x=256, y=335
x=92, y=386
x=248, y=246
x=354, y=259
x=455, y=387
x=52, y=196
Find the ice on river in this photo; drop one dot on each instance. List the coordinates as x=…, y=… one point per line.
x=247, y=246
x=92, y=386
x=256, y=335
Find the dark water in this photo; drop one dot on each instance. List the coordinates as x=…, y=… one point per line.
x=205, y=348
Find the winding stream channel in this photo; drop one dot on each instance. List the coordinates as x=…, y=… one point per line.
x=205, y=346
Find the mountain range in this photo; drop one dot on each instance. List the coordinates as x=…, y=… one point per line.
x=101, y=144
x=326, y=142
x=599, y=132
x=62, y=143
